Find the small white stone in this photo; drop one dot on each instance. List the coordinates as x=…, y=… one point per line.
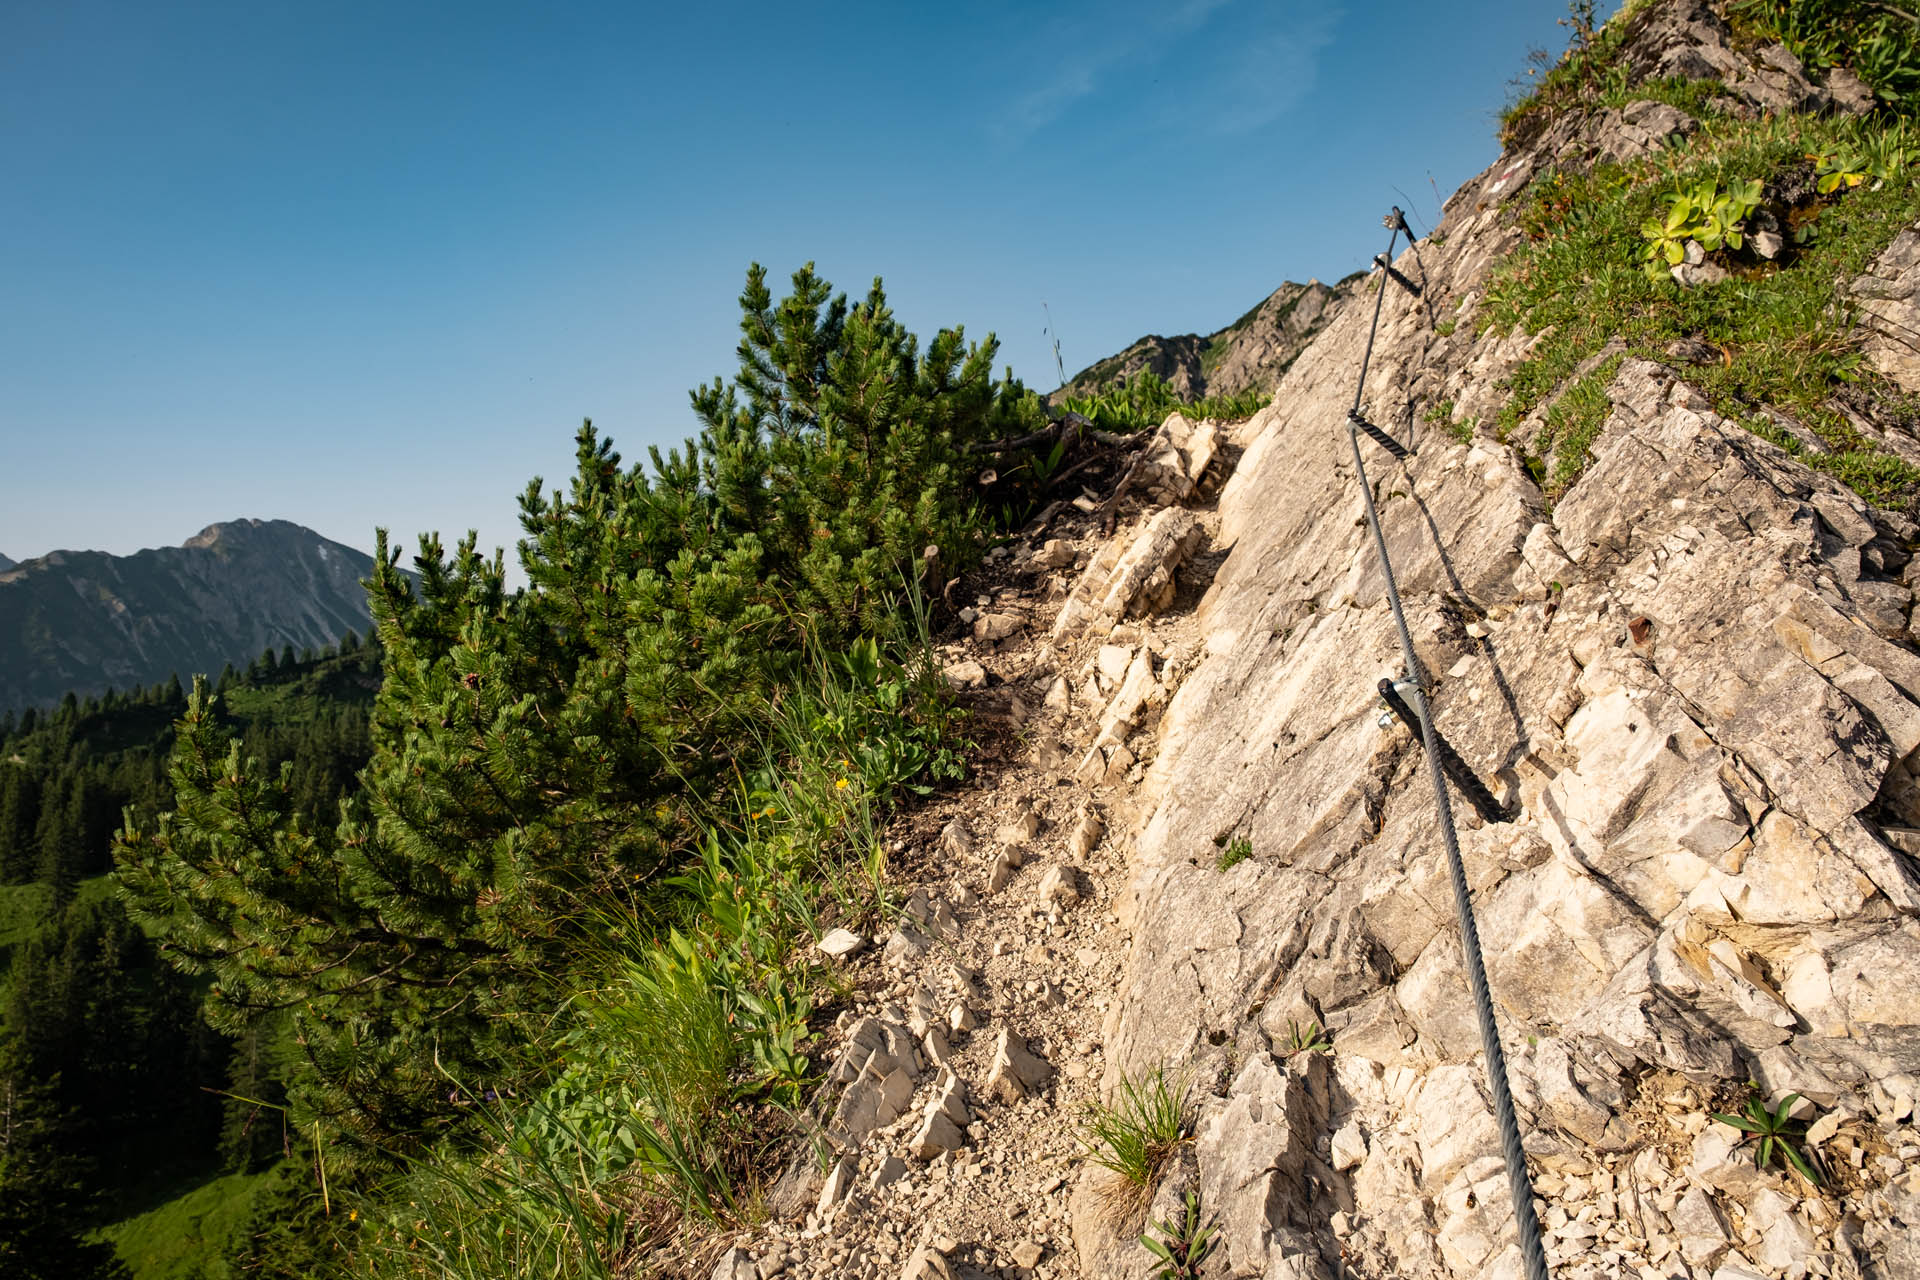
x=841, y=943
x=1349, y=1147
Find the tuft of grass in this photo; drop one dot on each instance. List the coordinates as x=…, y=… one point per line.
x=1574, y=420
x=1238, y=850
x=1700, y=99
x=1441, y=415
x=1139, y=1132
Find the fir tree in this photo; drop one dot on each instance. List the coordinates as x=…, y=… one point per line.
x=46, y=1207
x=19, y=821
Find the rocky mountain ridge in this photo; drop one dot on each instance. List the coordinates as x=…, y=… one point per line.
x=1250, y=354
x=87, y=621
x=1693, y=679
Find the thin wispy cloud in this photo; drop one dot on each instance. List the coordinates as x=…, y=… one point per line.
x=1034, y=111
x=1194, y=12
x=1241, y=66
x=1100, y=45
x=1270, y=74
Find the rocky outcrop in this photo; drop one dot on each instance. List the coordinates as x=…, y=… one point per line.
x=1253, y=352
x=86, y=621
x=1177, y=359
x=1888, y=300
x=1694, y=679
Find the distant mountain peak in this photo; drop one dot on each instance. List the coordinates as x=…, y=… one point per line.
x=87, y=621
x=6, y=564
x=246, y=530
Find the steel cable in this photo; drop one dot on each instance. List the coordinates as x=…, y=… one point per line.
x=1532, y=1251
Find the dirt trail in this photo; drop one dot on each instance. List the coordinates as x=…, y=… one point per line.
x=977, y=1026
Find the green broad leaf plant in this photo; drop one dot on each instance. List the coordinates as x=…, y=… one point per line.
x=1180, y=1248
x=1778, y=1135
x=1712, y=216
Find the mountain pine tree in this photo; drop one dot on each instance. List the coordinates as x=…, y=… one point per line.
x=532, y=750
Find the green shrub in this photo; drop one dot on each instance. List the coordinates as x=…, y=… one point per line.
x=684, y=1055
x=540, y=754
x=1238, y=850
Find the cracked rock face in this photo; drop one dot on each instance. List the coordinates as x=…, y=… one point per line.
x=1888, y=296
x=1695, y=677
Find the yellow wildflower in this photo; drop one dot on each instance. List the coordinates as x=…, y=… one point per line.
x=841, y=785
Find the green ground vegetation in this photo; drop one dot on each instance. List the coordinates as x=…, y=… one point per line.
x=1781, y=333
x=1180, y=1248
x=192, y=1236
x=1143, y=401
x=1879, y=42
x=1776, y=1134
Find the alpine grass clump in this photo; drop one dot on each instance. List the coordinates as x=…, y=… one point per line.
x=1138, y=1133
x=1144, y=400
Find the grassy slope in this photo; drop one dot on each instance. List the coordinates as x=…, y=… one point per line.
x=1782, y=340
x=187, y=1237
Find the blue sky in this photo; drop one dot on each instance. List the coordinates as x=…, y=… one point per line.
x=358, y=263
